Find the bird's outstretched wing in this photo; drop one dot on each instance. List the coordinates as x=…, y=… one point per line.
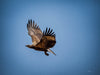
x=34, y=31
x=48, y=38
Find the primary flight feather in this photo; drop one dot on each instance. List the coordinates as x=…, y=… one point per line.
x=41, y=41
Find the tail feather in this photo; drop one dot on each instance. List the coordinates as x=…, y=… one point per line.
x=51, y=51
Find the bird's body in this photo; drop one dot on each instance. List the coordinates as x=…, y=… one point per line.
x=41, y=41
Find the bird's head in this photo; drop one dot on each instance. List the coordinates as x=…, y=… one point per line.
x=29, y=46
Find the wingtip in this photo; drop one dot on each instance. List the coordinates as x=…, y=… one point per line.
x=49, y=32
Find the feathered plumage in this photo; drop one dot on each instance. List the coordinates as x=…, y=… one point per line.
x=41, y=41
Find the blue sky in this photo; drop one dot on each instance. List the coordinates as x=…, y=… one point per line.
x=77, y=27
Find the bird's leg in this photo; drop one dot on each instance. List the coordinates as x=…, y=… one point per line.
x=46, y=53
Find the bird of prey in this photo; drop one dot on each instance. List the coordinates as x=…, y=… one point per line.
x=41, y=41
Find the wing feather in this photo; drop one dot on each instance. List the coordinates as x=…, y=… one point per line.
x=49, y=32
x=34, y=31
x=48, y=38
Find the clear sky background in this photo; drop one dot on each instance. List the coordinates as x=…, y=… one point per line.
x=77, y=27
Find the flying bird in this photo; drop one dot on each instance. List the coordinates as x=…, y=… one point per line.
x=41, y=41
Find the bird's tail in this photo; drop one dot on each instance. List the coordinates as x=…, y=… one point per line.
x=51, y=51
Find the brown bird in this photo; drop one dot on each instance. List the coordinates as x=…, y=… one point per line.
x=41, y=41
